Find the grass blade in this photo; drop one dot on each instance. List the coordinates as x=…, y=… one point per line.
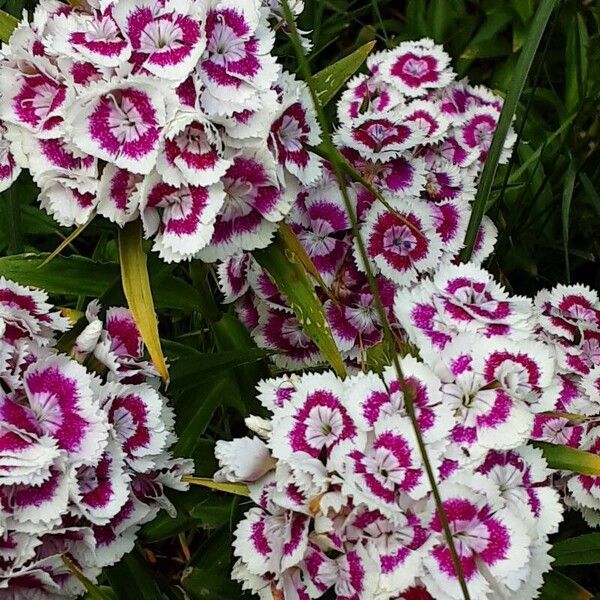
x=136, y=285
x=93, y=591
x=538, y=26
x=567, y=196
x=70, y=238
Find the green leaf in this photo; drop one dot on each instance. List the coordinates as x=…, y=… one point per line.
x=8, y=23
x=136, y=285
x=576, y=62
x=559, y=587
x=517, y=82
x=74, y=276
x=570, y=459
x=202, y=583
x=93, y=591
x=80, y=276
x=591, y=191
x=239, y=489
x=580, y=550
x=285, y=268
x=132, y=574
x=195, y=367
x=567, y=196
x=331, y=79
x=195, y=415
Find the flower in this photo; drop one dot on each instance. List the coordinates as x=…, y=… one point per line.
x=243, y=459
x=84, y=461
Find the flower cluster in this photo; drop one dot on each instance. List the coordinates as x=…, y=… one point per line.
x=569, y=323
x=419, y=138
x=343, y=501
x=84, y=458
x=548, y=352
x=174, y=111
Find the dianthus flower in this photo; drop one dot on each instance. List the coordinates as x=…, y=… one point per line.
x=84, y=453
x=343, y=501
x=420, y=138
x=175, y=112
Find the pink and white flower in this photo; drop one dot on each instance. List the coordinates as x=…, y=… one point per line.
x=119, y=195
x=9, y=170
x=83, y=463
x=254, y=203
x=314, y=419
x=166, y=39
x=182, y=220
x=401, y=244
x=237, y=64
x=413, y=68
x=293, y=129
x=381, y=137
x=491, y=542
x=191, y=153
x=121, y=124
x=243, y=459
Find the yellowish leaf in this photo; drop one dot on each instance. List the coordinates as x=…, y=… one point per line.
x=239, y=489
x=136, y=285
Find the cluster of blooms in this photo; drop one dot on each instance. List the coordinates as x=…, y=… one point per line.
x=569, y=323
x=84, y=454
x=420, y=138
x=557, y=336
x=172, y=111
x=343, y=499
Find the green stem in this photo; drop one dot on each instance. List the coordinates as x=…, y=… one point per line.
x=338, y=170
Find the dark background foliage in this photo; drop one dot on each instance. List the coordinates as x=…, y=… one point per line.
x=545, y=202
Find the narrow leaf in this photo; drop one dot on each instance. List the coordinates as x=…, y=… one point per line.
x=567, y=196
x=580, y=550
x=559, y=587
x=136, y=285
x=8, y=23
x=286, y=269
x=133, y=574
x=294, y=245
x=517, y=82
x=93, y=591
x=73, y=276
x=570, y=459
x=330, y=80
x=591, y=191
x=239, y=489
x=80, y=276
x=68, y=240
